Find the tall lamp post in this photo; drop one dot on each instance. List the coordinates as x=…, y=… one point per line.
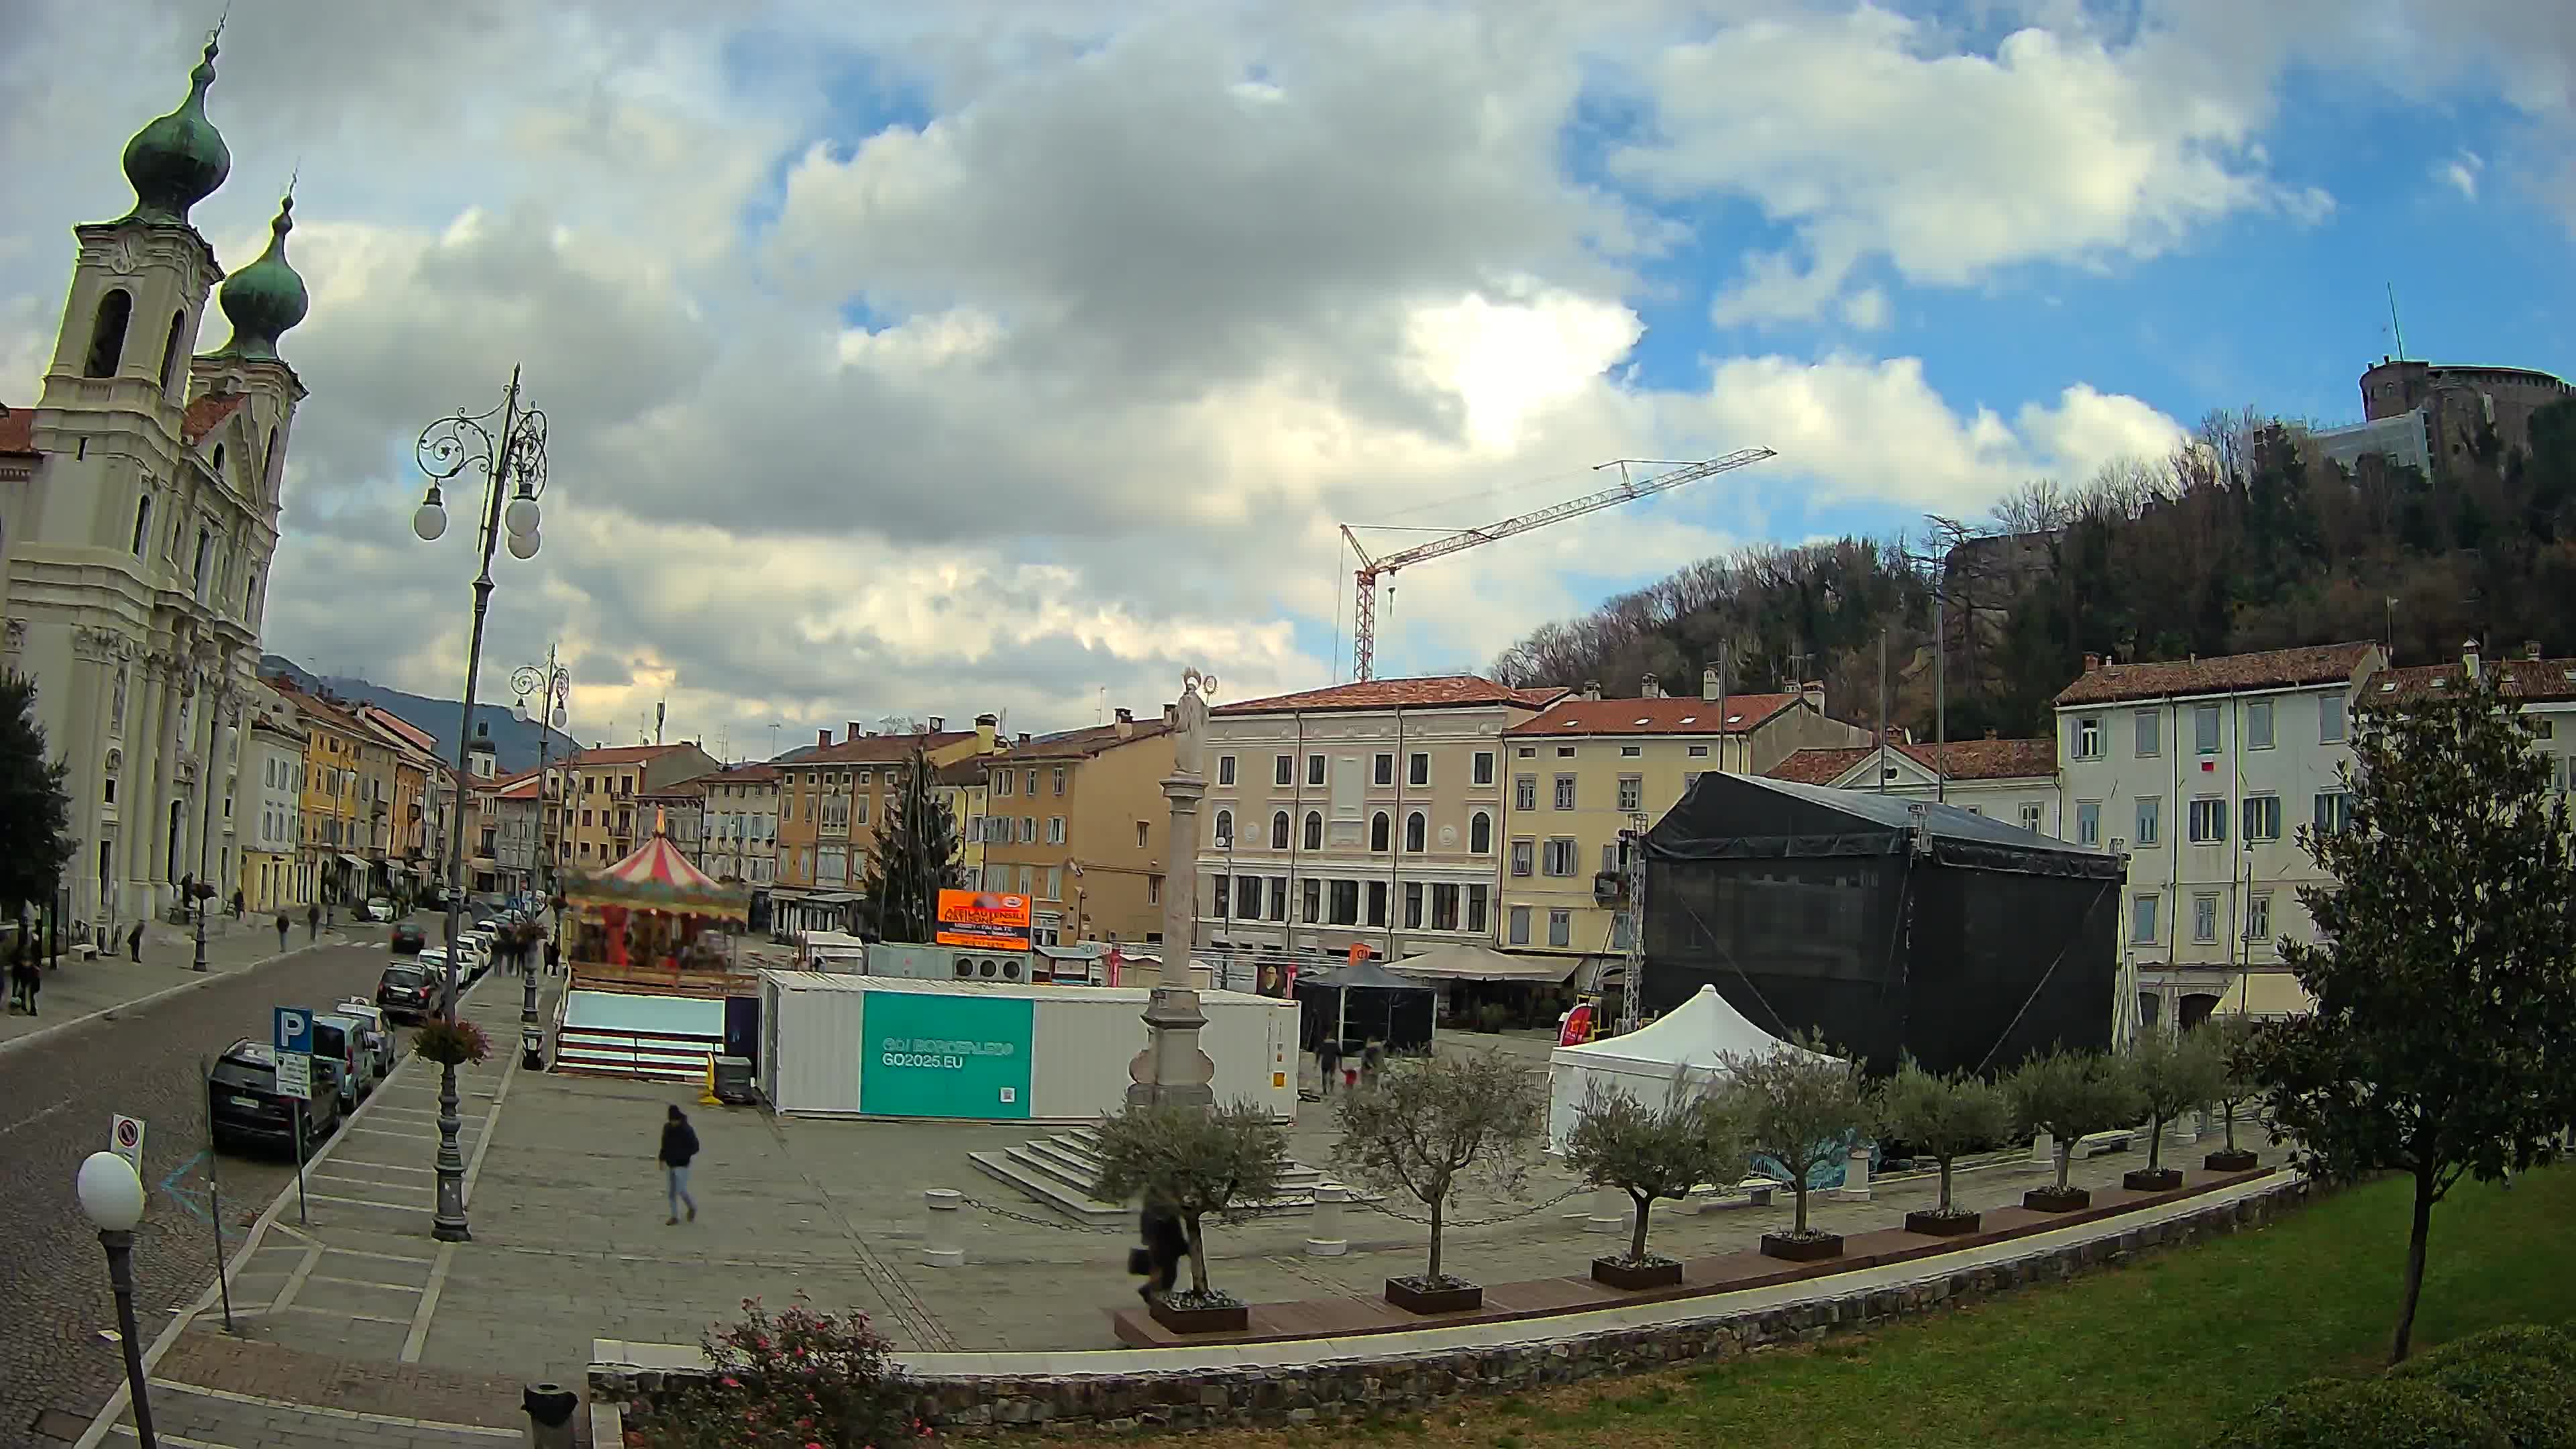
x=512, y=460
x=552, y=686
x=112, y=1197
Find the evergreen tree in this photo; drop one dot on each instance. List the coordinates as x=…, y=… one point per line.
x=2443, y=1044
x=914, y=857
x=35, y=811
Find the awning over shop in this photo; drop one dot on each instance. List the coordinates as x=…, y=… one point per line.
x=1467, y=961
x=358, y=862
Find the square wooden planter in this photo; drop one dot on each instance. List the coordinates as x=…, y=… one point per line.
x=2151, y=1179
x=1219, y=1318
x=1414, y=1296
x=2239, y=1160
x=1653, y=1273
x=1942, y=1225
x=1802, y=1250
x=2052, y=1200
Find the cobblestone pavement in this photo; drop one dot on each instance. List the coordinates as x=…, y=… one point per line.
x=56, y=1094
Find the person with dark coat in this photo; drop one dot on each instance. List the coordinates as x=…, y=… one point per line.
x=237, y=905
x=312, y=923
x=1158, y=1262
x=281, y=930
x=134, y=941
x=679, y=1145
x=554, y=957
x=1328, y=1059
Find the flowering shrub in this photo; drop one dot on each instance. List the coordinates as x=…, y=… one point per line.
x=450, y=1043
x=794, y=1379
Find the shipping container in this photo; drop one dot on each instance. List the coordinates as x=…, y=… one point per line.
x=869, y=1046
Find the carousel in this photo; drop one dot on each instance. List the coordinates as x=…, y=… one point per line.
x=653, y=988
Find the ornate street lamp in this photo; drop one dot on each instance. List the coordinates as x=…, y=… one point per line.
x=552, y=687
x=111, y=1196
x=512, y=459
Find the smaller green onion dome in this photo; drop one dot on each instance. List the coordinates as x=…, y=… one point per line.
x=265, y=298
x=178, y=160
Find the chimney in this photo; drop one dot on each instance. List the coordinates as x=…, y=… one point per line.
x=1650, y=688
x=823, y=739
x=2092, y=663
x=854, y=731
x=1813, y=691
x=2469, y=656
x=2530, y=648
x=987, y=727
x=1708, y=685
x=1024, y=737
x=1127, y=722
x=939, y=724
x=1592, y=689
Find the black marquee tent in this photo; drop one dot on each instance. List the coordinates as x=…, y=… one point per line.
x=1891, y=926
x=1364, y=1003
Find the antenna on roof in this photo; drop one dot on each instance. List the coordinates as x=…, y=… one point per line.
x=2394, y=330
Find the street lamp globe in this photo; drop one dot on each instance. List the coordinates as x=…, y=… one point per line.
x=519, y=711
x=521, y=516
x=110, y=1193
x=523, y=545
x=430, y=519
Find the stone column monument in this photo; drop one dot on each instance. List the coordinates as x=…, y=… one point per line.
x=1172, y=1069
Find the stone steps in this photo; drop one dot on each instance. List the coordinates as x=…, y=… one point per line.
x=1060, y=1171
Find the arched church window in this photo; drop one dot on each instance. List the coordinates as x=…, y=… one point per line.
x=219, y=462
x=107, y=333
x=142, y=522
x=205, y=551
x=170, y=352
x=270, y=464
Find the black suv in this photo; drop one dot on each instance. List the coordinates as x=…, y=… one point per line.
x=245, y=1106
x=406, y=992
x=408, y=939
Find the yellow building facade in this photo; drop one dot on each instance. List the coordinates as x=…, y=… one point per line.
x=1087, y=831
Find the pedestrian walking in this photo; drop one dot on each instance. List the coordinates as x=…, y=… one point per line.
x=1158, y=1262
x=23, y=984
x=679, y=1145
x=281, y=930
x=237, y=905
x=134, y=942
x=554, y=958
x=1328, y=1061
x=312, y=923
x=1372, y=1061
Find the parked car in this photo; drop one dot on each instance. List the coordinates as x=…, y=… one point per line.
x=243, y=1103
x=380, y=1031
x=408, y=991
x=407, y=939
x=339, y=1042
x=380, y=908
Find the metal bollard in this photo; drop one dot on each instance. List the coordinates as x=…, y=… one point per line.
x=550, y=1409
x=1855, y=1186
x=1610, y=1210
x=943, y=1241
x=1325, y=1236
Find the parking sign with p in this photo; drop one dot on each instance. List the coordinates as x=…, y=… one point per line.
x=293, y=1031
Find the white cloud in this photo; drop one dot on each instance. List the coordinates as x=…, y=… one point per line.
x=2460, y=173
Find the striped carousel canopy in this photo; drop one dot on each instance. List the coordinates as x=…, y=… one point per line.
x=657, y=877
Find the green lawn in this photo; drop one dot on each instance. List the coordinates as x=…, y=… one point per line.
x=2158, y=1353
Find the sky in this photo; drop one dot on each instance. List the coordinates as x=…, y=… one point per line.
x=1016, y=355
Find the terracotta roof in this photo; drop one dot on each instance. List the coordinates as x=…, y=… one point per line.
x=622, y=754
x=2103, y=683
x=696, y=785
x=745, y=775
x=875, y=749
x=207, y=413
x=1086, y=742
x=403, y=729
x=1654, y=716
x=17, y=430
x=1965, y=759
x=313, y=704
x=1449, y=690
x=2534, y=679
x=969, y=771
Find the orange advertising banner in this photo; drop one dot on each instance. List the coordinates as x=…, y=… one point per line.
x=983, y=920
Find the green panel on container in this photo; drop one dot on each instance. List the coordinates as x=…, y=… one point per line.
x=937, y=1054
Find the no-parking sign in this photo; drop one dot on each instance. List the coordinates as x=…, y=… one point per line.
x=125, y=1139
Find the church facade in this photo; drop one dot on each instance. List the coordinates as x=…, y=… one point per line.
x=139, y=504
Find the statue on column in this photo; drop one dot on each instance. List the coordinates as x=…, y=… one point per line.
x=1189, y=729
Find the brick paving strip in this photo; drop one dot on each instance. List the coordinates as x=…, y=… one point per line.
x=240, y=1393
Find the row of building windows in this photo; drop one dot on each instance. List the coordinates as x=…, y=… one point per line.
x=1417, y=769
x=1417, y=831
x=1329, y=901
x=2205, y=819
x=2146, y=910
x=2147, y=729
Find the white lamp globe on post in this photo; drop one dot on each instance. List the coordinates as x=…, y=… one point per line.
x=521, y=515
x=111, y=1196
x=523, y=545
x=429, y=520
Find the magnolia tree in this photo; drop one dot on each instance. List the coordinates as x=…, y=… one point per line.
x=2174, y=1073
x=1941, y=1117
x=2069, y=1095
x=1800, y=1106
x=1653, y=1152
x=2443, y=1043
x=1430, y=1126
x=1196, y=1162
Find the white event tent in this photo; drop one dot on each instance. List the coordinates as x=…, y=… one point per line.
x=1685, y=1044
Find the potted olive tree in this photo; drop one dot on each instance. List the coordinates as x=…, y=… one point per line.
x=2175, y=1073
x=1195, y=1163
x=1650, y=1153
x=1943, y=1118
x=2067, y=1095
x=2231, y=1040
x=1426, y=1128
x=1800, y=1106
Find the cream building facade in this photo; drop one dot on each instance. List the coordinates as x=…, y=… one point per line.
x=2014, y=781
x=1368, y=814
x=269, y=806
x=138, y=540
x=742, y=825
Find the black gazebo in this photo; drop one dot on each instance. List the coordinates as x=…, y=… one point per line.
x=1364, y=1003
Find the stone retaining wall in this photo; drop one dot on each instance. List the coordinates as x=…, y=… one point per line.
x=1399, y=1384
